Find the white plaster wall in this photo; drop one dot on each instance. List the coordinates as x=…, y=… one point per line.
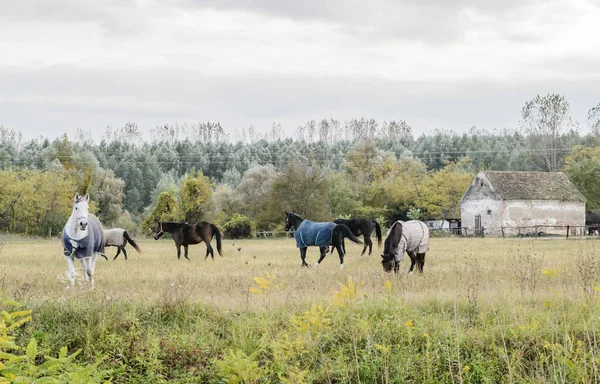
x=521, y=213
x=470, y=208
x=543, y=212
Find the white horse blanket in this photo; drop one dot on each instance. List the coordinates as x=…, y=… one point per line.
x=415, y=238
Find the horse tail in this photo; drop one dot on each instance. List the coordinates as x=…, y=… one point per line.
x=218, y=235
x=378, y=233
x=347, y=233
x=130, y=240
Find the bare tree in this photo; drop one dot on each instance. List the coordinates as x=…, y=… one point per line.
x=546, y=119
x=276, y=132
x=594, y=120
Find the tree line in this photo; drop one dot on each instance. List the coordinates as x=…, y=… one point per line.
x=328, y=169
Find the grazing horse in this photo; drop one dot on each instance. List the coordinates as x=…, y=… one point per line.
x=411, y=237
x=362, y=227
x=83, y=239
x=189, y=234
x=118, y=237
x=322, y=235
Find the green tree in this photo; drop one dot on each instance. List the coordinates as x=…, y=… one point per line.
x=582, y=167
x=108, y=193
x=441, y=191
x=165, y=209
x=195, y=196
x=341, y=195
x=301, y=189
x=254, y=193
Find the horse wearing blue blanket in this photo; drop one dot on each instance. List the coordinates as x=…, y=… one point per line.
x=322, y=235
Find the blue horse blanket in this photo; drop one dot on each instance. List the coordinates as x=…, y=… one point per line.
x=86, y=247
x=314, y=234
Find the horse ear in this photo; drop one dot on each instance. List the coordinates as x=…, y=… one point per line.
x=286, y=213
x=76, y=196
x=87, y=197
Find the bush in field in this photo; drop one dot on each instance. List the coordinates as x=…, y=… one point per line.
x=239, y=227
x=19, y=367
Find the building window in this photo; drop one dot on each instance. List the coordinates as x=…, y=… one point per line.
x=489, y=211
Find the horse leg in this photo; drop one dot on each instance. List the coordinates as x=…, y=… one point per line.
x=341, y=252
x=185, y=247
x=124, y=252
x=178, y=251
x=118, y=253
x=303, y=257
x=92, y=268
x=71, y=273
x=421, y=261
x=368, y=243
x=86, y=267
x=323, y=253
x=209, y=249
x=413, y=260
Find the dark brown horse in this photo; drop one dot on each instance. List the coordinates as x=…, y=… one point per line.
x=189, y=234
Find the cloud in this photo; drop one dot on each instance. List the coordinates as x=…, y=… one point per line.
x=74, y=63
x=114, y=17
x=37, y=103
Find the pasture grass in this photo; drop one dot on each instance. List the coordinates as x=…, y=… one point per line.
x=485, y=310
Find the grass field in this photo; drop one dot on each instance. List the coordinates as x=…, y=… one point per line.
x=485, y=310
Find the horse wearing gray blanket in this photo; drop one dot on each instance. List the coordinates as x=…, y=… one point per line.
x=118, y=237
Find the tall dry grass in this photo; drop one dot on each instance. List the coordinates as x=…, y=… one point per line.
x=512, y=310
x=455, y=268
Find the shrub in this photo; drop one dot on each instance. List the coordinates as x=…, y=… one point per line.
x=239, y=227
x=16, y=366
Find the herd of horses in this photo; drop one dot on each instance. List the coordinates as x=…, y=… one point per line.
x=85, y=239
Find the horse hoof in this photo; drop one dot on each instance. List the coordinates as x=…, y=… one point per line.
x=316, y=265
x=341, y=266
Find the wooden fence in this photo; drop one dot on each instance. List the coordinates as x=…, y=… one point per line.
x=523, y=231
x=567, y=231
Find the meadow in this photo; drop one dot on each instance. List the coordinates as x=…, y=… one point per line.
x=485, y=310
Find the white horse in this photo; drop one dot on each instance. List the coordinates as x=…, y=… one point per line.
x=83, y=239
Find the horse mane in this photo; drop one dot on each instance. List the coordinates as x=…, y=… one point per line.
x=387, y=245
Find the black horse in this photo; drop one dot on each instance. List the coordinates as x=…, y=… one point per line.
x=411, y=237
x=322, y=235
x=189, y=234
x=363, y=227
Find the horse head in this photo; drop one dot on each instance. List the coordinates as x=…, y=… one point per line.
x=81, y=211
x=158, y=230
x=390, y=247
x=389, y=262
x=290, y=220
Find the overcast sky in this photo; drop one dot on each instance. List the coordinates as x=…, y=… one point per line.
x=71, y=64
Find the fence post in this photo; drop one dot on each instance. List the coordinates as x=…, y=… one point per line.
x=502, y=229
x=568, y=227
x=535, y=228
x=482, y=231
x=519, y=228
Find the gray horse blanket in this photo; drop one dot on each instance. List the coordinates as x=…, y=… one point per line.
x=314, y=234
x=86, y=247
x=415, y=238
